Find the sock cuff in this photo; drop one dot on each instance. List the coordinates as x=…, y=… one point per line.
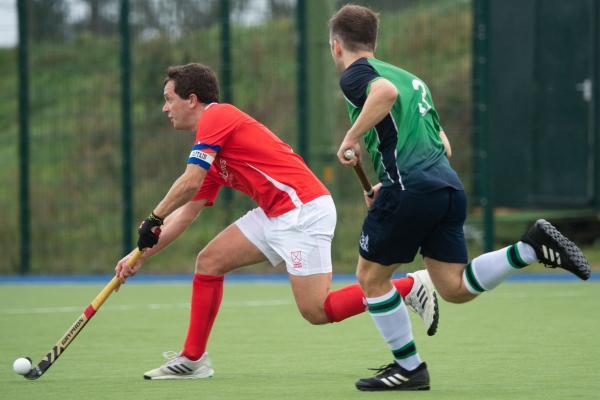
x=344, y=303
x=379, y=299
x=199, y=278
x=385, y=304
x=409, y=349
x=514, y=257
x=327, y=307
x=471, y=282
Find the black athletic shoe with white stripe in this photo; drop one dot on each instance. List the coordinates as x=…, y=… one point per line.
x=554, y=250
x=181, y=367
x=394, y=377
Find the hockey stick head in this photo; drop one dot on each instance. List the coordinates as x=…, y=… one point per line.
x=34, y=373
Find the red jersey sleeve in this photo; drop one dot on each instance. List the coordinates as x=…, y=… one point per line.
x=209, y=189
x=216, y=124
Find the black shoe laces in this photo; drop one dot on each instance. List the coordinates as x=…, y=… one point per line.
x=384, y=369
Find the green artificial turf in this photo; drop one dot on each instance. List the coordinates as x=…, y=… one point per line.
x=523, y=340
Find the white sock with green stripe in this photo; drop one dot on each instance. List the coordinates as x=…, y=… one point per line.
x=488, y=270
x=391, y=318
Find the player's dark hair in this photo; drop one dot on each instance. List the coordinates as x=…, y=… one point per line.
x=356, y=27
x=195, y=79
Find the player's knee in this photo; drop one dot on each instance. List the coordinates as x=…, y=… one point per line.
x=314, y=315
x=370, y=281
x=208, y=264
x=363, y=277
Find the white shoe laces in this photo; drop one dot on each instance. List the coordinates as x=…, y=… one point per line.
x=170, y=355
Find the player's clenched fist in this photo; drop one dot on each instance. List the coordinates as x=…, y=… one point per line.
x=124, y=270
x=149, y=231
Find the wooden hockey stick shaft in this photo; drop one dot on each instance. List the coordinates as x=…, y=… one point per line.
x=360, y=173
x=78, y=325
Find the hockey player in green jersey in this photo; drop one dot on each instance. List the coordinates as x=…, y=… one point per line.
x=420, y=203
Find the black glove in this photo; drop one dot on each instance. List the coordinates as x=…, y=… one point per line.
x=149, y=231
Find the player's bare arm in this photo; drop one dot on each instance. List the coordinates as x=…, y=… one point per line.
x=379, y=102
x=182, y=191
x=175, y=224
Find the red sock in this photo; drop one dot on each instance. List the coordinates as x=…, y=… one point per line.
x=350, y=301
x=403, y=285
x=207, y=292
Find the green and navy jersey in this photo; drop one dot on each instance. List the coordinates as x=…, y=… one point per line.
x=405, y=146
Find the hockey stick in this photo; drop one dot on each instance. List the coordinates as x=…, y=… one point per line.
x=78, y=325
x=360, y=173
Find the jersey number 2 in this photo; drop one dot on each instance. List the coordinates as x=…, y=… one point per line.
x=424, y=106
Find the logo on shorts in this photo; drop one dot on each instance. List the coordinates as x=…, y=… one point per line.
x=297, y=259
x=364, y=241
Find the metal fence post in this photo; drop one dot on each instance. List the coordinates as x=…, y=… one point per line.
x=480, y=117
x=126, y=130
x=301, y=75
x=227, y=95
x=24, y=203
x=318, y=84
x=596, y=96
x=226, y=90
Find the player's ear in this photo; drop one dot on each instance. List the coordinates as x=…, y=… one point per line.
x=337, y=47
x=193, y=99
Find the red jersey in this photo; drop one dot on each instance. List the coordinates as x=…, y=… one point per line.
x=241, y=153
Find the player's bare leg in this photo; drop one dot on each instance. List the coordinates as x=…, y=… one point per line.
x=542, y=242
x=419, y=295
x=228, y=251
x=310, y=293
x=448, y=280
x=375, y=279
x=318, y=305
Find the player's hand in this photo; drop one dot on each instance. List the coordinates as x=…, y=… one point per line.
x=149, y=231
x=349, y=144
x=370, y=200
x=123, y=270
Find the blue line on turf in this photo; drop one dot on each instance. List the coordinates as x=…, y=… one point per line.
x=240, y=278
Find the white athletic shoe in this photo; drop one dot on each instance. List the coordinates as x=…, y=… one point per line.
x=181, y=367
x=423, y=300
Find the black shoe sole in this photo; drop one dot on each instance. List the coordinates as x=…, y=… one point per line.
x=579, y=264
x=436, y=317
x=396, y=388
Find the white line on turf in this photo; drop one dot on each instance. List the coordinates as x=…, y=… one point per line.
x=523, y=295
x=244, y=303
x=126, y=307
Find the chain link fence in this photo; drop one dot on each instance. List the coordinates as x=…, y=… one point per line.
x=76, y=65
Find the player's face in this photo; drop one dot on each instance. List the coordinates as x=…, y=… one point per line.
x=177, y=109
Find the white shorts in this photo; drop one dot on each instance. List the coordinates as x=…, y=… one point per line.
x=301, y=237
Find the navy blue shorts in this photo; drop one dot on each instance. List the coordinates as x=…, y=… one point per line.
x=401, y=222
